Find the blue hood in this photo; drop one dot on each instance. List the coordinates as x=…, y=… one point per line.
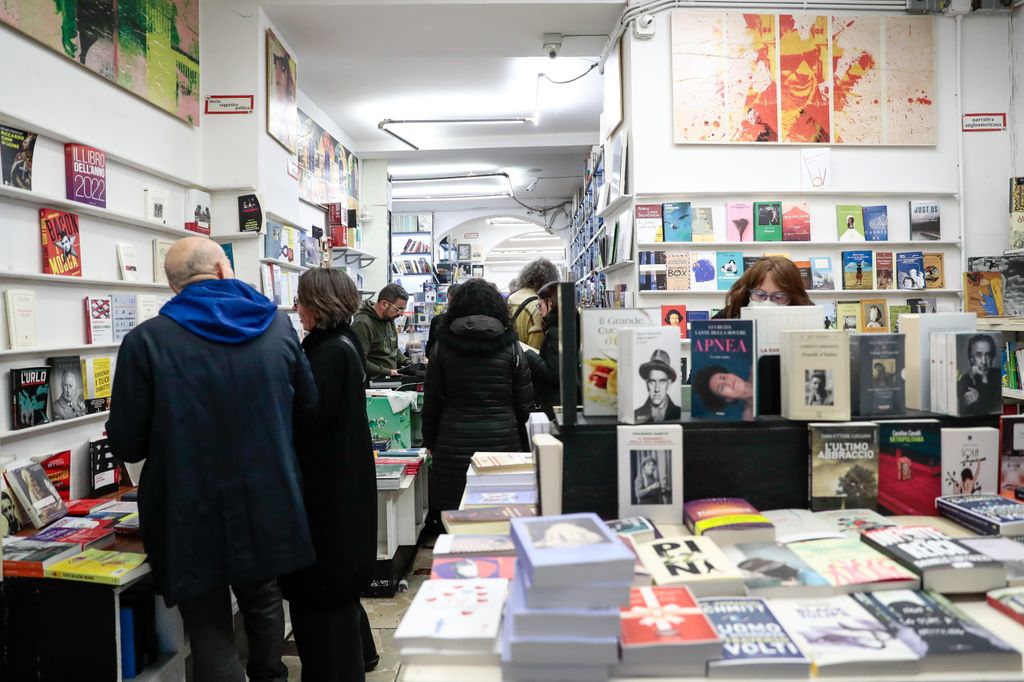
x=222, y=310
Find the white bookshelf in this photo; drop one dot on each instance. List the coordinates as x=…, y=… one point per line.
x=830, y=293
x=30, y=431
x=89, y=282
x=845, y=246
x=43, y=351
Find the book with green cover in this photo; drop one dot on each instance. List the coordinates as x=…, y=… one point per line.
x=850, y=222
x=768, y=221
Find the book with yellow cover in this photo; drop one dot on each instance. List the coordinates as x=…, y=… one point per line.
x=100, y=566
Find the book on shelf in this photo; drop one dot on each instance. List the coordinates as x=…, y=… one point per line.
x=877, y=363
x=693, y=561
x=160, y=248
x=970, y=378
x=941, y=563
x=649, y=226
x=970, y=460
x=727, y=521
x=730, y=268
x=703, y=225
x=34, y=491
x=857, y=270
x=61, y=243
x=848, y=316
x=27, y=558
x=771, y=569
x=99, y=323
x=739, y=222
x=600, y=355
x=884, y=270
x=767, y=221
x=806, y=276
x=723, y=359
x=925, y=221
x=909, y=466
x=843, y=465
x=894, y=317
x=677, y=221
x=917, y=330
x=674, y=316
x=197, y=211
x=754, y=643
x=147, y=307
x=703, y=271
x=1011, y=453
x=796, y=222
x=563, y=550
x=850, y=565
x=984, y=293
x=474, y=545
x=813, y=370
x=17, y=148
x=650, y=471
x=85, y=174
x=123, y=313
x=12, y=517
x=874, y=316
x=648, y=375
x=30, y=396
x=910, y=270
x=822, y=278
x=664, y=631
x=104, y=474
x=468, y=568
x=695, y=315
x=21, y=317
x=850, y=222
x=1016, y=240
x=57, y=467
x=127, y=264
x=97, y=383
x=876, y=223
x=984, y=514
x=156, y=204
x=1016, y=194
x=934, y=271
x=250, y=213
x=677, y=270
x=106, y=567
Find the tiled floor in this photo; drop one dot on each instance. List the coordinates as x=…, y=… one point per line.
x=384, y=615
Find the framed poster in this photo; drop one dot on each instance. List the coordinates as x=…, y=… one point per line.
x=650, y=472
x=465, y=252
x=282, y=106
x=478, y=270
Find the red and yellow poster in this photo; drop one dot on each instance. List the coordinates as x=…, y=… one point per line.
x=804, y=78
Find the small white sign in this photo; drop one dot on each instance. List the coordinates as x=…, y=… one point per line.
x=229, y=104
x=815, y=169
x=471, y=235
x=976, y=123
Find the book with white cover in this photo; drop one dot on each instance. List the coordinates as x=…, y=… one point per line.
x=557, y=623
x=599, y=354
x=147, y=307
x=841, y=638
x=473, y=545
x=160, y=248
x=99, y=319
x=500, y=482
x=548, y=456
x=454, y=614
x=1010, y=552
x=917, y=328
x=568, y=549
x=970, y=461
x=127, y=262
x=798, y=525
x=693, y=561
x=814, y=373
x=650, y=471
x=21, y=317
x=156, y=205
x=648, y=375
x=773, y=320
x=494, y=462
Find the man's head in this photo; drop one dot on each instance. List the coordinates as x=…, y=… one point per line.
x=658, y=375
x=879, y=369
x=7, y=509
x=981, y=352
x=68, y=384
x=537, y=273
x=391, y=302
x=195, y=259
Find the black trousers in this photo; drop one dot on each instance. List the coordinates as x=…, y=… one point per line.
x=366, y=635
x=209, y=624
x=329, y=641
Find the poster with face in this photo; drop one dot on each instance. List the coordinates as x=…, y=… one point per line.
x=282, y=107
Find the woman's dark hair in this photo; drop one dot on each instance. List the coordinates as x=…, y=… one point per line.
x=477, y=297
x=702, y=387
x=452, y=288
x=782, y=271
x=549, y=294
x=673, y=311
x=536, y=274
x=330, y=295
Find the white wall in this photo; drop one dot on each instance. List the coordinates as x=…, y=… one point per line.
x=1017, y=75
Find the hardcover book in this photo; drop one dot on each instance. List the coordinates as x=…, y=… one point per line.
x=739, y=222
x=562, y=550
x=724, y=379
x=844, y=465
x=857, y=270
x=650, y=471
x=67, y=401
x=156, y=205
x=813, y=369
x=600, y=355
x=34, y=491
x=768, y=221
x=30, y=392
x=677, y=270
x=848, y=316
x=703, y=271
x=909, y=466
x=821, y=273
x=876, y=223
x=727, y=521
x=770, y=569
x=754, y=643
x=664, y=630
x=649, y=364
x=796, y=222
x=910, y=270
x=703, y=225
x=677, y=221
x=160, y=248
x=850, y=223
x=925, y=221
x=883, y=270
x=85, y=174
x=849, y=565
x=649, y=228
x=970, y=461
x=934, y=271
x=984, y=514
x=876, y=369
x=693, y=561
x=730, y=267
x=942, y=563
x=636, y=528
x=197, y=211
x=99, y=323
x=17, y=148
x=61, y=242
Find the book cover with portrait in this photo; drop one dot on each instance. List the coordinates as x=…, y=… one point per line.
x=977, y=373
x=36, y=494
x=722, y=354
x=970, y=461
x=815, y=370
x=61, y=242
x=650, y=471
x=649, y=375
x=876, y=368
x=910, y=270
x=767, y=221
x=850, y=222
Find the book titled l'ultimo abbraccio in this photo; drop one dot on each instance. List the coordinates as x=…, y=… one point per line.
x=844, y=465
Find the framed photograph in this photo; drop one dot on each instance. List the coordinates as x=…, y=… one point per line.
x=465, y=252
x=478, y=270
x=650, y=472
x=282, y=86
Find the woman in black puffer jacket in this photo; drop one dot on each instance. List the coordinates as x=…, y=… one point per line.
x=478, y=390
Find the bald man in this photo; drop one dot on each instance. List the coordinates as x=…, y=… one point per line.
x=207, y=393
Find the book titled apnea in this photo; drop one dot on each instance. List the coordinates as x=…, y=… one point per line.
x=857, y=270
x=723, y=353
x=909, y=466
x=844, y=465
x=754, y=643
x=85, y=174
x=30, y=396
x=62, y=245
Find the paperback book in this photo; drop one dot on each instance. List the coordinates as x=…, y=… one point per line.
x=649, y=360
x=556, y=551
x=703, y=225
x=821, y=273
x=984, y=514
x=844, y=465
x=677, y=270
x=693, y=561
x=197, y=211
x=104, y=474
x=664, y=630
x=649, y=228
x=1008, y=551
x=703, y=271
x=30, y=397
x=1009, y=601
x=770, y=569
x=106, y=567
x=650, y=471
x=767, y=221
x=85, y=174
x=461, y=614
x=61, y=242
x=909, y=466
x=796, y=222
x=123, y=315
x=876, y=370
x=754, y=643
x=127, y=264
x=677, y=221
x=894, y=316
x=934, y=271
x=474, y=545
x=848, y=316
x=813, y=370
x=17, y=147
x=730, y=267
x=156, y=204
x=35, y=493
x=970, y=461
x=723, y=360
x=99, y=323
x=674, y=316
x=469, y=568
x=910, y=270
x=600, y=355
x=925, y=221
x=24, y=558
x=160, y=249
x=876, y=223
x=727, y=521
x=1011, y=454
x=849, y=565
x=857, y=270
x=739, y=222
x=874, y=315
x=883, y=270
x=973, y=371
x=917, y=330
x=21, y=317
x=850, y=223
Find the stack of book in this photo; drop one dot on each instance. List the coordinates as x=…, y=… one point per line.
x=562, y=621
x=499, y=486
x=473, y=556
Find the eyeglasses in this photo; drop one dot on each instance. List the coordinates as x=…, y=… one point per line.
x=395, y=307
x=780, y=297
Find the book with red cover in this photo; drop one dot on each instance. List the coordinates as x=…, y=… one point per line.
x=62, y=244
x=664, y=617
x=84, y=507
x=28, y=558
x=720, y=516
x=463, y=568
x=58, y=470
x=85, y=174
x=97, y=537
x=796, y=223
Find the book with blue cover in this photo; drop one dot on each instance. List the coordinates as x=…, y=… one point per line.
x=985, y=514
x=857, y=270
x=724, y=379
x=703, y=271
x=754, y=643
x=910, y=270
x=274, y=240
x=677, y=221
x=497, y=499
x=569, y=549
x=876, y=223
x=730, y=267
x=583, y=620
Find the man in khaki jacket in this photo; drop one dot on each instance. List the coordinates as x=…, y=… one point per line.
x=526, y=319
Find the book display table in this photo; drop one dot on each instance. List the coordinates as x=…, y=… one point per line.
x=401, y=515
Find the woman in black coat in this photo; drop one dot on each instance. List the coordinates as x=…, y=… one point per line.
x=544, y=363
x=478, y=391
x=339, y=486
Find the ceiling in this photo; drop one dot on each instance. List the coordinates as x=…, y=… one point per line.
x=366, y=61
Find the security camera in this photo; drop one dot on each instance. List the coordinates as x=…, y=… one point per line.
x=552, y=43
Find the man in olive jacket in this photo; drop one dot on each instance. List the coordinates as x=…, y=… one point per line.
x=206, y=393
x=374, y=324
x=523, y=308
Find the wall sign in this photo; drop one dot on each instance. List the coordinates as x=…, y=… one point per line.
x=976, y=123
x=229, y=104
x=471, y=235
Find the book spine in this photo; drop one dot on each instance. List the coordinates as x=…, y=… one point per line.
x=88, y=322
x=1005, y=610
x=23, y=569
x=84, y=577
x=968, y=519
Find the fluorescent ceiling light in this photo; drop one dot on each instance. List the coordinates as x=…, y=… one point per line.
x=504, y=195
x=416, y=170
x=526, y=238
x=508, y=221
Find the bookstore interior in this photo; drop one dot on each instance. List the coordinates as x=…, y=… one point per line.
x=778, y=328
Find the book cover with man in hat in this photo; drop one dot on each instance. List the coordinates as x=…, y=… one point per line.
x=650, y=359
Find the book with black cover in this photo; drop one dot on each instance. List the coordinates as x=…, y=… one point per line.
x=16, y=150
x=103, y=469
x=30, y=396
x=876, y=374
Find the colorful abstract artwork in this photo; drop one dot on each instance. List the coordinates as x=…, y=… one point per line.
x=282, y=107
x=149, y=47
x=326, y=168
x=803, y=79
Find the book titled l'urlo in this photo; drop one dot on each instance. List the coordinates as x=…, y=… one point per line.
x=844, y=465
x=30, y=392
